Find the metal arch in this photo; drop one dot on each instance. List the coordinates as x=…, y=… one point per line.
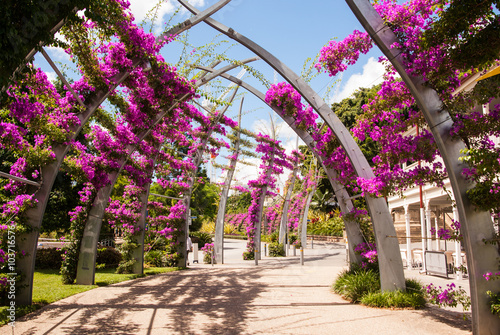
x=88, y=249
x=197, y=161
x=390, y=262
x=189, y=23
x=476, y=225
x=19, y=179
x=219, y=222
x=28, y=242
x=262, y=199
x=283, y=229
x=33, y=51
x=353, y=232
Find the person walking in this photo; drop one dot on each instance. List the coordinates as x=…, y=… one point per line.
x=189, y=245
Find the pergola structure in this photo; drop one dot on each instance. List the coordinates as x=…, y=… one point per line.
x=476, y=225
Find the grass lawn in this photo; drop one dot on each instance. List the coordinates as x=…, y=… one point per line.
x=48, y=287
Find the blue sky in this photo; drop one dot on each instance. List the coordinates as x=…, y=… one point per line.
x=292, y=30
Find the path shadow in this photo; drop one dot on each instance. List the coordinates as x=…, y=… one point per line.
x=168, y=303
x=451, y=318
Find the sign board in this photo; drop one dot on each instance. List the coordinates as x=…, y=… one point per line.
x=435, y=263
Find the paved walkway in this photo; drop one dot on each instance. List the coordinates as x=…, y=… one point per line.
x=277, y=297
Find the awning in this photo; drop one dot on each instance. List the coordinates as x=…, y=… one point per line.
x=490, y=73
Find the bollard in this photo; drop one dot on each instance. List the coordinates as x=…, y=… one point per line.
x=294, y=251
x=346, y=251
x=265, y=249
x=301, y=256
x=195, y=253
x=212, y=256
x=312, y=242
x=255, y=255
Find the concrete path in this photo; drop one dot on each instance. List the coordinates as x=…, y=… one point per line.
x=279, y=296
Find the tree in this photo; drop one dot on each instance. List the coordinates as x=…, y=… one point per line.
x=63, y=198
x=349, y=110
x=204, y=200
x=239, y=203
x=469, y=30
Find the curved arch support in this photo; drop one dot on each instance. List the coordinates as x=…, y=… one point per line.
x=476, y=225
x=138, y=253
x=283, y=229
x=88, y=250
x=196, y=162
x=219, y=222
x=29, y=241
x=353, y=231
x=390, y=262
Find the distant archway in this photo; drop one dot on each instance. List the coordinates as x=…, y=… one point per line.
x=390, y=262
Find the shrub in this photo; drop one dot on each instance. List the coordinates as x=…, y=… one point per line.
x=414, y=285
x=127, y=249
x=229, y=229
x=208, y=252
x=274, y=237
x=48, y=258
x=248, y=255
x=450, y=296
x=171, y=260
x=154, y=258
x=413, y=297
x=126, y=267
x=207, y=258
x=203, y=238
x=276, y=250
x=326, y=226
x=494, y=303
x=208, y=227
x=353, y=285
x=108, y=256
x=395, y=299
x=363, y=286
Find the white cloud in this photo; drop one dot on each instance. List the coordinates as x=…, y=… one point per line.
x=60, y=37
x=51, y=76
x=283, y=131
x=140, y=8
x=288, y=140
x=372, y=75
x=57, y=54
x=245, y=172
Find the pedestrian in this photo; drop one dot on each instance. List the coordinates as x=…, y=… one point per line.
x=189, y=245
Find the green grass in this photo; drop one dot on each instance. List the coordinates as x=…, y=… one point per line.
x=48, y=287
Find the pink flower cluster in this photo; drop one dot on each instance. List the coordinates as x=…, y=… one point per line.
x=336, y=56
x=368, y=252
